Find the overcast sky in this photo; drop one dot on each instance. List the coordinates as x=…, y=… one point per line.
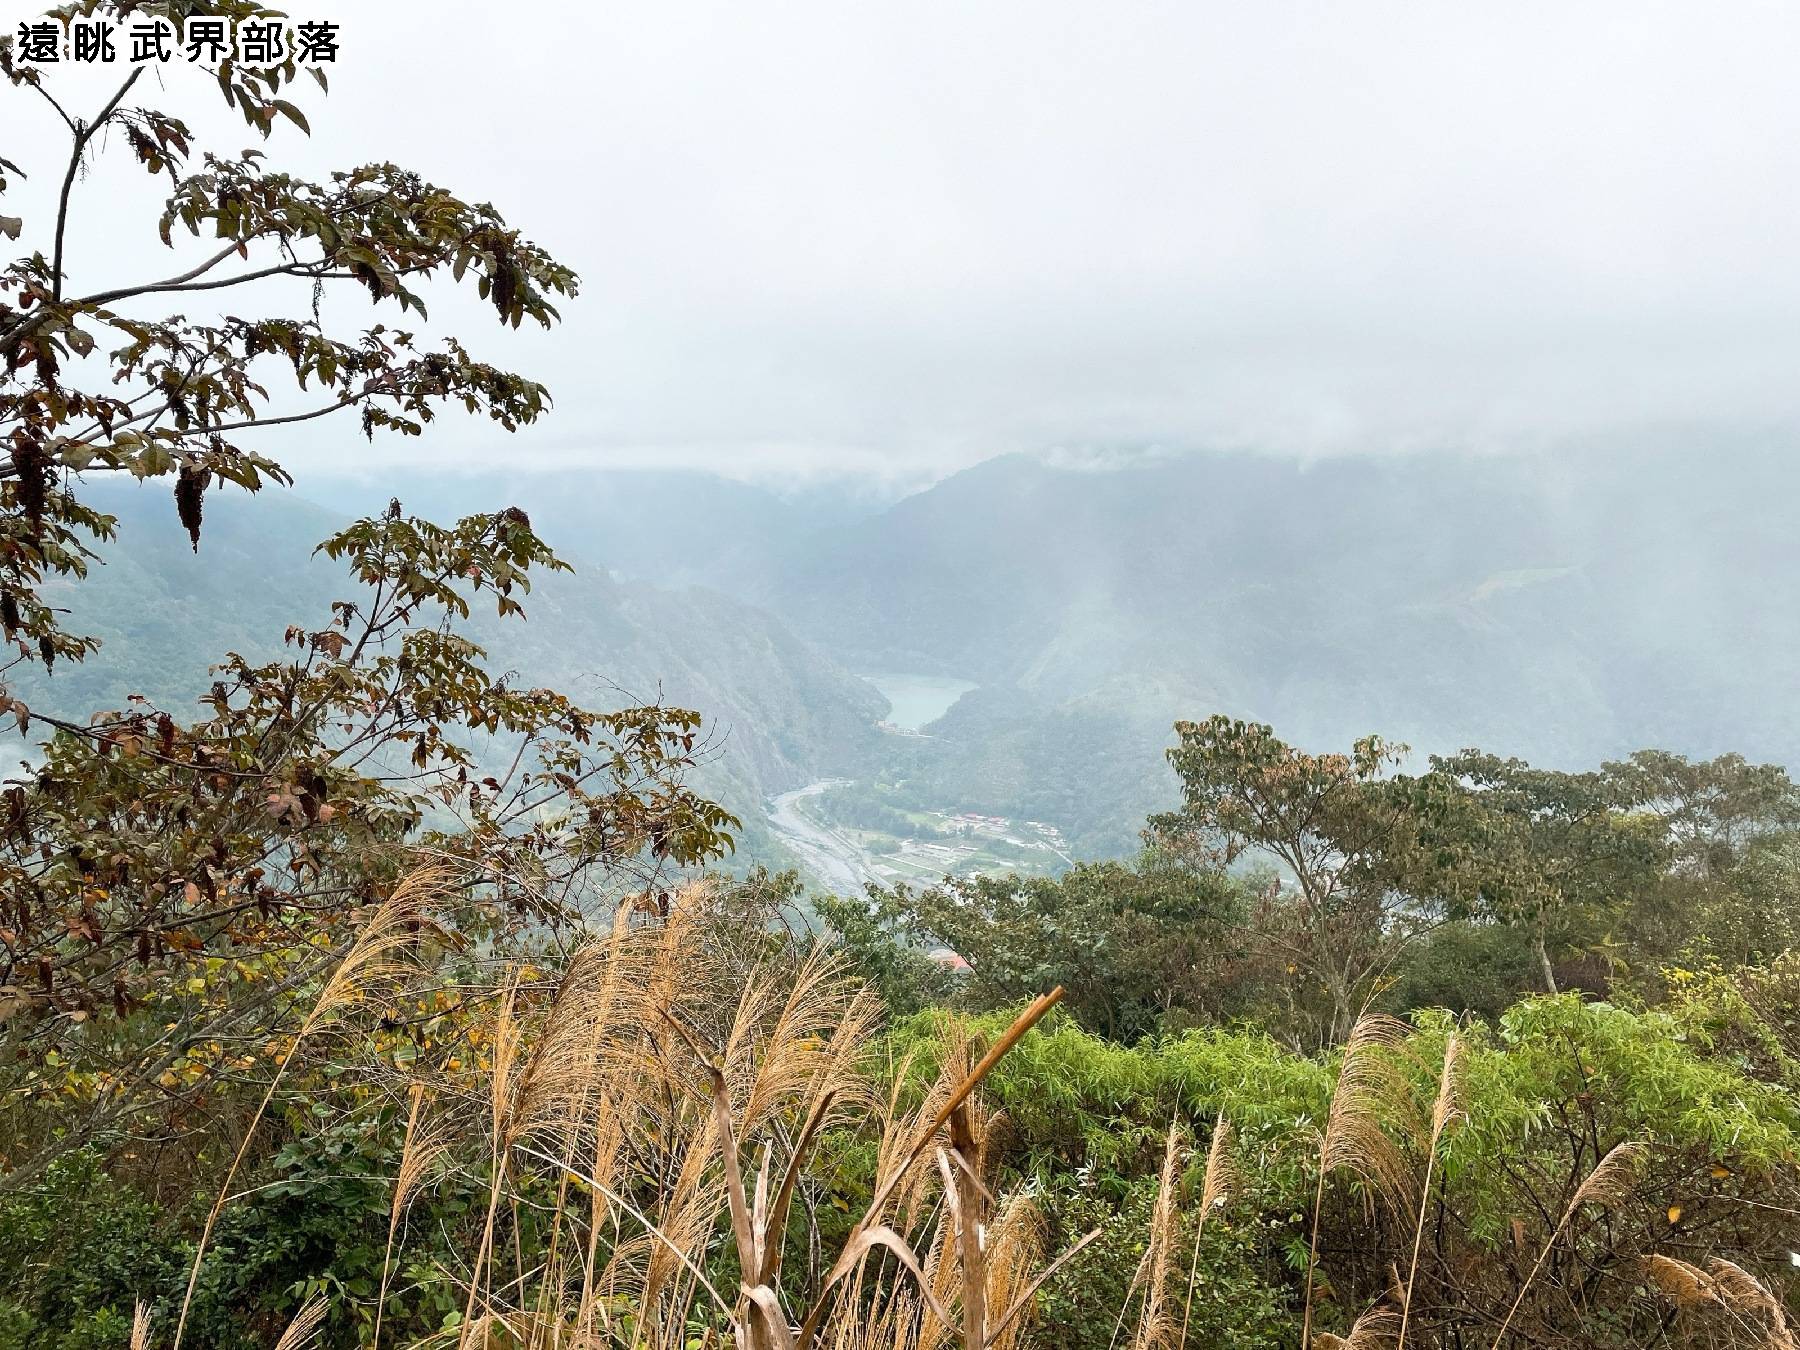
x=907, y=236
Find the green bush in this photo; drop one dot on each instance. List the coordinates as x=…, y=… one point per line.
x=77, y=1252
x=1480, y=968
x=1082, y=1122
x=1548, y=1089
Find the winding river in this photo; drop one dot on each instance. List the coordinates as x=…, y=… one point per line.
x=837, y=861
x=834, y=860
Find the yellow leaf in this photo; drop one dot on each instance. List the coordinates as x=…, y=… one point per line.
x=1674, y=1213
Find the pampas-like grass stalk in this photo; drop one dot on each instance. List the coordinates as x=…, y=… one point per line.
x=504, y=1062
x=1726, y=1286
x=1025, y=1295
x=1752, y=1300
x=1220, y=1183
x=304, y=1327
x=862, y=1236
x=417, y=1153
x=1370, y=1088
x=1154, y=1322
x=965, y=1199
x=1608, y=1184
x=1374, y=1329
x=1014, y=1244
x=1447, y=1108
x=674, y=1098
x=388, y=930
x=1682, y=1283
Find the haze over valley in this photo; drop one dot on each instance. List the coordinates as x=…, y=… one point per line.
x=1016, y=640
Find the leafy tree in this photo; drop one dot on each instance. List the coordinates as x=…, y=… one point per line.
x=1332, y=823
x=173, y=887
x=1714, y=811
x=102, y=380
x=1533, y=848
x=1129, y=944
x=210, y=870
x=1470, y=965
x=1731, y=830
x=888, y=949
x=1754, y=916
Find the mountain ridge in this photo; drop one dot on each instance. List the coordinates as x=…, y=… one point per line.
x=779, y=711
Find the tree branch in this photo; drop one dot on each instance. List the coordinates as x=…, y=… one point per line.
x=186, y=282
x=173, y=283
x=83, y=135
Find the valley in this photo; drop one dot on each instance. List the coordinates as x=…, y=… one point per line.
x=831, y=856
x=849, y=834
x=1013, y=643
x=906, y=847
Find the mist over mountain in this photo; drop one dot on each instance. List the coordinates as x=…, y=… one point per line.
x=669, y=527
x=1565, y=610
x=780, y=712
x=1559, y=609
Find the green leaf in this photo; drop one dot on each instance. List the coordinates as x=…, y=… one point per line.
x=293, y=114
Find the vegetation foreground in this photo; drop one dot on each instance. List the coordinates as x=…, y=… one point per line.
x=384, y=1001
x=689, y=1131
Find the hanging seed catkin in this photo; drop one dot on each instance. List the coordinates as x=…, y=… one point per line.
x=32, y=465
x=190, y=493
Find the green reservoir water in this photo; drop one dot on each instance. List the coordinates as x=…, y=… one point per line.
x=918, y=700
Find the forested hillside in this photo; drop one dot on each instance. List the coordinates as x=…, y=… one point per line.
x=1565, y=606
x=1569, y=610
x=779, y=711
x=1569, y=607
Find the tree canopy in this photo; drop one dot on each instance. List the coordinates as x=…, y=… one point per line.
x=175, y=885
x=129, y=379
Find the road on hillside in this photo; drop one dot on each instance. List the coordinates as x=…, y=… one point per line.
x=834, y=859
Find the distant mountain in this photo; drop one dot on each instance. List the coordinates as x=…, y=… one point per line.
x=672, y=527
x=1564, y=610
x=780, y=712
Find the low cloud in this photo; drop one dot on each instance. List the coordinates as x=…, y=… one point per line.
x=892, y=240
